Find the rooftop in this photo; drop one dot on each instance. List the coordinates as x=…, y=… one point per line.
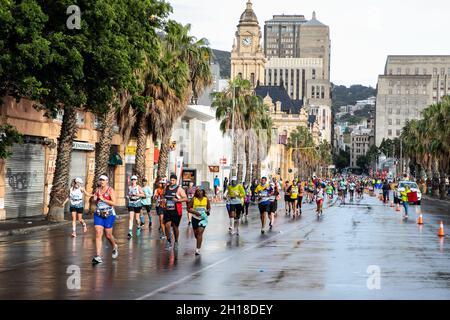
x=278, y=93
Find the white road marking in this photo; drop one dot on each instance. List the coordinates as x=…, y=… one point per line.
x=185, y=278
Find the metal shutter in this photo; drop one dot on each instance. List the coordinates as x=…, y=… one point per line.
x=77, y=170
x=24, y=181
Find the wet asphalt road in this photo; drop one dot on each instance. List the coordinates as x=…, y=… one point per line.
x=302, y=259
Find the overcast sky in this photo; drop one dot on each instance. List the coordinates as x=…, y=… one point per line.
x=363, y=32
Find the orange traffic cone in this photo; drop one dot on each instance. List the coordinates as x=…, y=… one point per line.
x=420, y=221
x=441, y=230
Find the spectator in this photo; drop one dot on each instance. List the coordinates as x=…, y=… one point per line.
x=225, y=184
x=216, y=185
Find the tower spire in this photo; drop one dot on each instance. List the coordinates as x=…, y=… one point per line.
x=314, y=15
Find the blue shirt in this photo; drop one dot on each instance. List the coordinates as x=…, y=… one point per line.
x=216, y=182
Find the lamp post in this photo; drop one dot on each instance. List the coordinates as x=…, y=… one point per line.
x=232, y=129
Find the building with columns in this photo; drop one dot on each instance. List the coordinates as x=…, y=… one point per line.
x=247, y=56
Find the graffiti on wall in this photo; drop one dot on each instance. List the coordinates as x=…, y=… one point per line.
x=21, y=180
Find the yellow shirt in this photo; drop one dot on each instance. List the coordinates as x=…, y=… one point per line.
x=199, y=204
x=236, y=192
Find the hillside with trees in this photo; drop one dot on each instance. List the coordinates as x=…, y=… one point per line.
x=223, y=58
x=343, y=96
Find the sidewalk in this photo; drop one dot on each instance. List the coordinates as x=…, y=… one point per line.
x=28, y=225
x=428, y=198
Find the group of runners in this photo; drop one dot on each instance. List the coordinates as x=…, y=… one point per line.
x=168, y=198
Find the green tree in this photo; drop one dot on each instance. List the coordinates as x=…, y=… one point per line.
x=8, y=136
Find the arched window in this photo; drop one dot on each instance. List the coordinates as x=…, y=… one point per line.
x=252, y=79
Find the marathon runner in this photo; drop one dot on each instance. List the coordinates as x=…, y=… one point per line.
x=319, y=194
x=351, y=187
x=147, y=203
x=263, y=192
x=76, y=198
x=301, y=192
x=190, y=194
x=200, y=207
x=235, y=193
x=104, y=218
x=159, y=204
x=273, y=202
x=174, y=196
x=247, y=199
x=294, y=198
x=134, y=206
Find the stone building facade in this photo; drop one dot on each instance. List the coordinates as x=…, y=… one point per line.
x=247, y=56
x=408, y=86
x=26, y=177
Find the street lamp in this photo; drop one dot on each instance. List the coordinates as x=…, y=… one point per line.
x=232, y=128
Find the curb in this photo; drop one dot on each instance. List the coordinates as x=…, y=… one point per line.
x=426, y=197
x=51, y=226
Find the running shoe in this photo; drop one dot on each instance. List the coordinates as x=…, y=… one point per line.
x=230, y=230
x=138, y=231
x=162, y=237
x=97, y=260
x=115, y=252
x=150, y=225
x=130, y=235
x=74, y=234
x=263, y=231
x=197, y=252
x=84, y=227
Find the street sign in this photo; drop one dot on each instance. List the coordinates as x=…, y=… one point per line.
x=223, y=161
x=213, y=169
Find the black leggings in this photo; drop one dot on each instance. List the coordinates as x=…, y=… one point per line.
x=246, y=205
x=299, y=202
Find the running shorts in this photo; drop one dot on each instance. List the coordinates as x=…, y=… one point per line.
x=159, y=211
x=135, y=209
x=264, y=207
x=195, y=224
x=273, y=206
x=172, y=216
x=148, y=208
x=106, y=223
x=78, y=210
x=238, y=209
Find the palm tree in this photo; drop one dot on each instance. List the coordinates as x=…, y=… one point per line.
x=196, y=55
x=304, y=159
x=233, y=117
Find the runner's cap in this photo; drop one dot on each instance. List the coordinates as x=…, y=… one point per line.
x=103, y=177
x=234, y=178
x=79, y=180
x=133, y=178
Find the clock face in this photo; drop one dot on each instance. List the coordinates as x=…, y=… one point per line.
x=247, y=41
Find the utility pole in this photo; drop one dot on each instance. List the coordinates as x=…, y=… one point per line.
x=401, y=157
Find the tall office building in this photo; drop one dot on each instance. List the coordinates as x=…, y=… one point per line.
x=408, y=86
x=292, y=36
x=282, y=36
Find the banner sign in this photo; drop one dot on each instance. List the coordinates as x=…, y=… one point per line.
x=214, y=169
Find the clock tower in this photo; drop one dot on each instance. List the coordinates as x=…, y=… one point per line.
x=247, y=57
